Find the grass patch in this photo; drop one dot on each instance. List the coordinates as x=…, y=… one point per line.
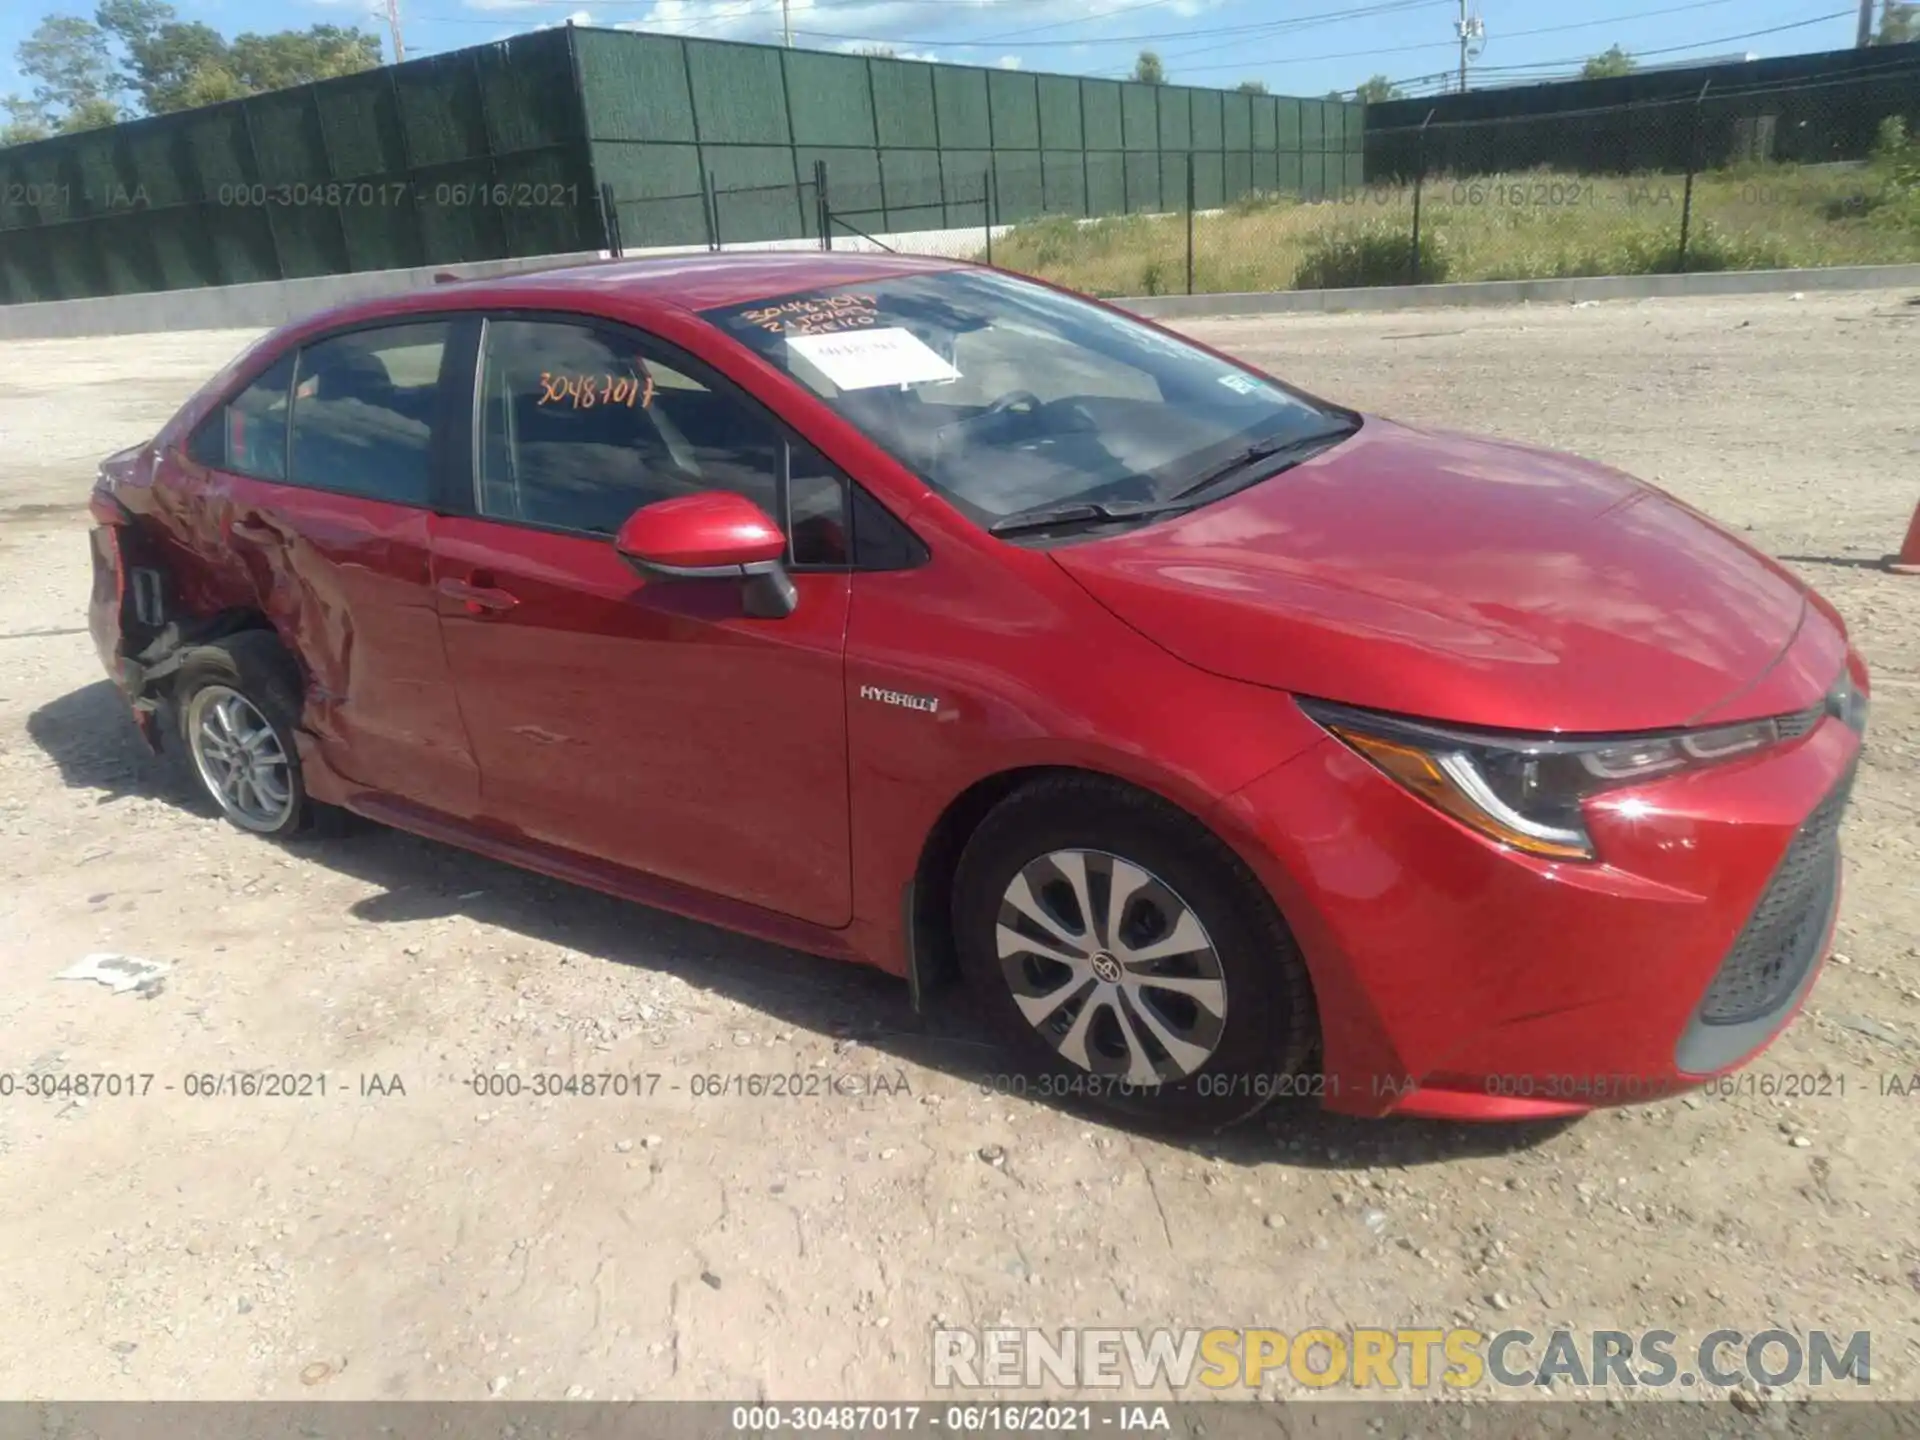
x=1372, y=254
x=1536, y=225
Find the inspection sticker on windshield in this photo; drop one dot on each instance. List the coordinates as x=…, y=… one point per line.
x=864, y=359
x=1242, y=384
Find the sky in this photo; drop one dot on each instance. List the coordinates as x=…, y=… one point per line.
x=1297, y=47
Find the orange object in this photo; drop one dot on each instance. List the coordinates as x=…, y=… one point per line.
x=1907, y=562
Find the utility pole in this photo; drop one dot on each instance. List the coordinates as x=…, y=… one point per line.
x=1473, y=33
x=1462, y=27
x=1866, y=25
x=393, y=24
x=786, y=20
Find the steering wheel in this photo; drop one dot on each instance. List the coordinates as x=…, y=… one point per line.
x=1021, y=400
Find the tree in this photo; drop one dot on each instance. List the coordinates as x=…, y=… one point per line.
x=1376, y=90
x=71, y=65
x=1148, y=70
x=22, y=128
x=295, y=57
x=1607, y=64
x=1252, y=87
x=165, y=63
x=1899, y=25
x=165, y=55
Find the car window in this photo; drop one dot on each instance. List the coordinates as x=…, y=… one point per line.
x=363, y=412
x=581, y=426
x=248, y=435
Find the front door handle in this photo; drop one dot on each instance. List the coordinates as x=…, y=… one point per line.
x=479, y=599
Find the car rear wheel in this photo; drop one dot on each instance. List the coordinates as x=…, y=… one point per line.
x=1126, y=956
x=238, y=701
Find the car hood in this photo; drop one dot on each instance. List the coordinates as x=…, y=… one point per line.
x=1461, y=579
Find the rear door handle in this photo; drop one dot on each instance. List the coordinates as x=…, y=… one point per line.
x=253, y=530
x=478, y=599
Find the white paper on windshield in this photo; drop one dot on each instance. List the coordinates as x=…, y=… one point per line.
x=864, y=359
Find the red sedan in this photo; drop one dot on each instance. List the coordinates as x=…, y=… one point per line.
x=1230, y=744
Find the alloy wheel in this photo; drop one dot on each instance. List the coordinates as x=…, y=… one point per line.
x=240, y=759
x=1111, y=967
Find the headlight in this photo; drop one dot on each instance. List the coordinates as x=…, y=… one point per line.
x=1527, y=791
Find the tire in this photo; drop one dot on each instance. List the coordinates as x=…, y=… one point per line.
x=239, y=700
x=1224, y=1066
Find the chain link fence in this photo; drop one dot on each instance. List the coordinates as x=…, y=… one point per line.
x=1778, y=176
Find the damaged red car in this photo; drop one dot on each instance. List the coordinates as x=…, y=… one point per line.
x=1226, y=743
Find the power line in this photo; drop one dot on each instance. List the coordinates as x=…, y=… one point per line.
x=1512, y=34
x=1541, y=65
x=1895, y=69
x=1263, y=26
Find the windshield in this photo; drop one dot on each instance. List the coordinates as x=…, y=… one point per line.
x=1010, y=398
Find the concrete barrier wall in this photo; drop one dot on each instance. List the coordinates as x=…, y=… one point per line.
x=263, y=306
x=273, y=303
x=1524, y=292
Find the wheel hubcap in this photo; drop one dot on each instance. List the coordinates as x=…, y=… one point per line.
x=240, y=759
x=1111, y=967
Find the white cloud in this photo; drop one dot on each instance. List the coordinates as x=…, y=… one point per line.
x=1008, y=62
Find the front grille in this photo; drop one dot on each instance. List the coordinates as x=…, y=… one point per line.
x=1782, y=936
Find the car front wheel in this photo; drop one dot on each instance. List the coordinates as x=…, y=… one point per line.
x=1127, y=956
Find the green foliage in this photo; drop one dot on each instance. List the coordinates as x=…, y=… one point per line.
x=1900, y=25
x=1148, y=69
x=1611, y=62
x=82, y=68
x=1374, y=253
x=71, y=65
x=295, y=57
x=1896, y=154
x=1252, y=87
x=1376, y=90
x=1896, y=163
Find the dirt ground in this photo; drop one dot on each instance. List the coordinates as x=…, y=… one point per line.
x=439, y=1243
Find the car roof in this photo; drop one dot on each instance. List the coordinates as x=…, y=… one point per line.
x=697, y=281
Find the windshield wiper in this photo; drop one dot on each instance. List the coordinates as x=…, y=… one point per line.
x=1093, y=512
x=1081, y=512
x=1293, y=451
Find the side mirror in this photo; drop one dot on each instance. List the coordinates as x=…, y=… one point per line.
x=715, y=535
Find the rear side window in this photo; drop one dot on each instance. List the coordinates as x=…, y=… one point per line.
x=248, y=435
x=363, y=412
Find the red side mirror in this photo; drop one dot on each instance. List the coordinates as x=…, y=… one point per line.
x=711, y=536
x=716, y=532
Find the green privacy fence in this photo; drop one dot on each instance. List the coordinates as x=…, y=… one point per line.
x=518, y=148
x=676, y=124
x=473, y=155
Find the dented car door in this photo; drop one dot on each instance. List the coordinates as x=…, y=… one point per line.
x=317, y=479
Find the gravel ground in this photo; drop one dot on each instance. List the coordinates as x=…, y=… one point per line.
x=441, y=1244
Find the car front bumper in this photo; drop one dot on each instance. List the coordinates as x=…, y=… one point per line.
x=1457, y=979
